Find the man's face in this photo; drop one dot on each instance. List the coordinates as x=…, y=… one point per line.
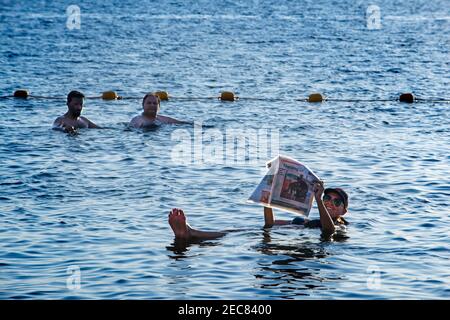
x=75, y=106
x=334, y=204
x=151, y=106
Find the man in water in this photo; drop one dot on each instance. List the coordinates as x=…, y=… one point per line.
x=72, y=119
x=332, y=208
x=150, y=117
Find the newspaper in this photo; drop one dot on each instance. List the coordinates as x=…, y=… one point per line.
x=288, y=185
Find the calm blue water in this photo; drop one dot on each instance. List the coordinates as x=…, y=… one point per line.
x=99, y=201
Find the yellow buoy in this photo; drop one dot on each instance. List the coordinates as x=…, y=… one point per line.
x=406, y=97
x=21, y=93
x=227, y=96
x=163, y=95
x=109, y=95
x=315, y=97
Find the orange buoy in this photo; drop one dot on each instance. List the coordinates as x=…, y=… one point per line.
x=315, y=97
x=163, y=95
x=21, y=93
x=227, y=96
x=406, y=97
x=110, y=95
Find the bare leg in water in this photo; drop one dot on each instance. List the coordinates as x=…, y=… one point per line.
x=177, y=221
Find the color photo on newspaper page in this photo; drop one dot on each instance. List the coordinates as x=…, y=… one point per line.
x=288, y=185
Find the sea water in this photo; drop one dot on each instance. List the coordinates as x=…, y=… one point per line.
x=85, y=216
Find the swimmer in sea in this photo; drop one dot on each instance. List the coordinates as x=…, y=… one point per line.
x=72, y=119
x=332, y=207
x=150, y=117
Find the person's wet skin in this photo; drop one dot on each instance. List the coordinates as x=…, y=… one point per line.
x=177, y=222
x=181, y=230
x=149, y=119
x=72, y=120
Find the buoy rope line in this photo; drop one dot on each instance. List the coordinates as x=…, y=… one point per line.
x=230, y=96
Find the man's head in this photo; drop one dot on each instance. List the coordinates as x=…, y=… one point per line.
x=150, y=104
x=336, y=201
x=75, y=102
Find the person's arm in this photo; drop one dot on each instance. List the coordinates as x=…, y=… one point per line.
x=61, y=126
x=170, y=120
x=325, y=219
x=175, y=121
x=91, y=125
x=269, y=219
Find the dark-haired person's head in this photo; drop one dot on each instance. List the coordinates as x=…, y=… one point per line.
x=150, y=104
x=75, y=102
x=336, y=201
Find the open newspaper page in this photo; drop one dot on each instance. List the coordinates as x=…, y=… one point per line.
x=288, y=185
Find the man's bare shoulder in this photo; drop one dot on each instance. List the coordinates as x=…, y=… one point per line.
x=136, y=121
x=84, y=120
x=59, y=121
x=137, y=118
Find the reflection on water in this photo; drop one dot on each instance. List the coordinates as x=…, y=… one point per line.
x=180, y=247
x=286, y=272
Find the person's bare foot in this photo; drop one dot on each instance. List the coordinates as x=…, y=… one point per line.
x=177, y=221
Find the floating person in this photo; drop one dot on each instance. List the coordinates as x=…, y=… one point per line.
x=332, y=207
x=72, y=119
x=150, y=117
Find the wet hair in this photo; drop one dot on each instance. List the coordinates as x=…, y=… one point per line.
x=153, y=95
x=74, y=94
